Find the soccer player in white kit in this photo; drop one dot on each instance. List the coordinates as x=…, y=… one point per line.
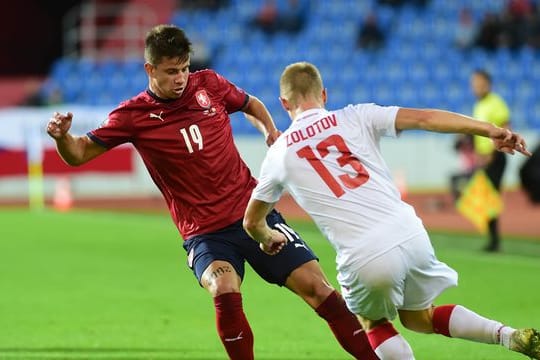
x=330, y=162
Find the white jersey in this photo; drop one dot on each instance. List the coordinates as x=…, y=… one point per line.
x=331, y=163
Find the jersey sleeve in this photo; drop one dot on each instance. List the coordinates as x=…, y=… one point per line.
x=269, y=187
x=382, y=119
x=494, y=111
x=115, y=130
x=233, y=97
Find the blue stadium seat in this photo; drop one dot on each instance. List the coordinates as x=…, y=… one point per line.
x=417, y=67
x=360, y=94
x=86, y=67
x=63, y=68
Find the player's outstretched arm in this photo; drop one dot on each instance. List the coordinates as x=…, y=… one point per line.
x=257, y=114
x=271, y=241
x=74, y=150
x=450, y=122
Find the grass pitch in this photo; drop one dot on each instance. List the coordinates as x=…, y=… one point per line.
x=99, y=285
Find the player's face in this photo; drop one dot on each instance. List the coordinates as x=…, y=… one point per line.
x=169, y=78
x=479, y=86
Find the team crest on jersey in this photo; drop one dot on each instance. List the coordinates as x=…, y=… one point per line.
x=202, y=99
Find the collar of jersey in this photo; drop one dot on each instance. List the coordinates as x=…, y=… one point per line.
x=310, y=113
x=157, y=98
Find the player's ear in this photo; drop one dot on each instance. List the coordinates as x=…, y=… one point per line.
x=149, y=68
x=324, y=95
x=285, y=103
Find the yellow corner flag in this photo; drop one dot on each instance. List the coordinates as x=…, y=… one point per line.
x=480, y=201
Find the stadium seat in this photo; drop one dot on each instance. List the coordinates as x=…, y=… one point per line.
x=63, y=68
x=409, y=70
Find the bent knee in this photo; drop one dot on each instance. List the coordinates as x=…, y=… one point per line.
x=221, y=280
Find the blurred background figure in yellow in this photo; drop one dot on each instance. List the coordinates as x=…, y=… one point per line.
x=492, y=108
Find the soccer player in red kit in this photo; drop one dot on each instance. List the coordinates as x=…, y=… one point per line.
x=181, y=128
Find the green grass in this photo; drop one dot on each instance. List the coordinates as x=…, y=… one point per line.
x=98, y=285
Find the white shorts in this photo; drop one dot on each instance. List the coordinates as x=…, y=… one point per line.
x=407, y=277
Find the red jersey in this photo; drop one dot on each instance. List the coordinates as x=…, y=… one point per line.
x=187, y=146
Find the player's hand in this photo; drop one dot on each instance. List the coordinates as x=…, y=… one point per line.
x=508, y=142
x=272, y=137
x=59, y=125
x=274, y=243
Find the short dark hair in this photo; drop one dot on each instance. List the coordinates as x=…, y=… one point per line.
x=483, y=73
x=166, y=41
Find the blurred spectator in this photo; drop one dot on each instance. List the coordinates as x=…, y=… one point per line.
x=397, y=3
x=290, y=17
x=512, y=28
x=519, y=9
x=532, y=29
x=370, y=35
x=417, y=3
x=488, y=35
x=202, y=4
x=394, y=3
x=492, y=108
x=266, y=18
x=516, y=26
x=466, y=30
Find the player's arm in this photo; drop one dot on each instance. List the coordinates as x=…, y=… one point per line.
x=74, y=150
x=257, y=113
x=271, y=241
x=450, y=122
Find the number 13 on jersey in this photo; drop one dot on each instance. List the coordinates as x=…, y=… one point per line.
x=345, y=158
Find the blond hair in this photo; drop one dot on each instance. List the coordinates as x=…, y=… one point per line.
x=300, y=81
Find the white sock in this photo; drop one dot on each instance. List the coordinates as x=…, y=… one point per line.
x=466, y=324
x=504, y=336
x=395, y=348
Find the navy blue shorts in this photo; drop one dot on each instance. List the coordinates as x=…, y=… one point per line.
x=233, y=244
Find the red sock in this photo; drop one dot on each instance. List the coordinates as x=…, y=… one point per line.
x=346, y=327
x=381, y=333
x=441, y=319
x=233, y=327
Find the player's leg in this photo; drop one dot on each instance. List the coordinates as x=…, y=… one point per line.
x=457, y=321
x=310, y=283
x=219, y=270
x=386, y=341
x=426, y=280
x=373, y=291
x=296, y=267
